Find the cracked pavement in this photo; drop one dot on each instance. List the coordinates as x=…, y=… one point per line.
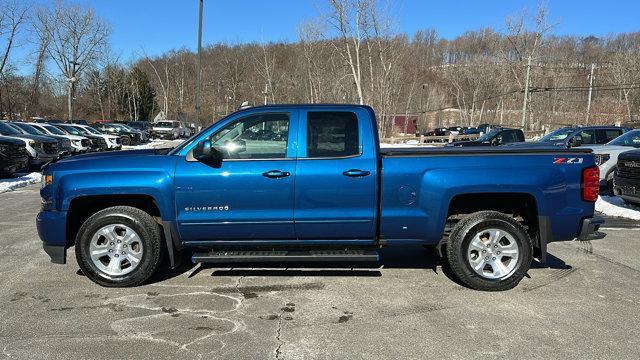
x=583, y=304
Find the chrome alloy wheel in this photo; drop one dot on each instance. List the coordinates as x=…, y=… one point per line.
x=493, y=254
x=116, y=249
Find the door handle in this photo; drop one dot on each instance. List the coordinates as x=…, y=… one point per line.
x=356, y=173
x=276, y=174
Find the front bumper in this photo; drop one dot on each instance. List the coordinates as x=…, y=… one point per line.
x=12, y=166
x=52, y=229
x=589, y=229
x=628, y=189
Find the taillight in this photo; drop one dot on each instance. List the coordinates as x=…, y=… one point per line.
x=590, y=184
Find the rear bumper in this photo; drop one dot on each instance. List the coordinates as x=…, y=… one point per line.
x=52, y=229
x=589, y=229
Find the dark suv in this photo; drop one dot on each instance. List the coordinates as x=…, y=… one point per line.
x=13, y=156
x=495, y=137
x=582, y=135
x=626, y=181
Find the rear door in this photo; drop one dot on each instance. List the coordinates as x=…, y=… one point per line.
x=336, y=177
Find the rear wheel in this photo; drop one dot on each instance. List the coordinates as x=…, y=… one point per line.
x=119, y=246
x=489, y=251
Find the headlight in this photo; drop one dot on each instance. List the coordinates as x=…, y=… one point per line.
x=76, y=142
x=602, y=158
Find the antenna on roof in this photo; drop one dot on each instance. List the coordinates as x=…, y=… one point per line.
x=244, y=105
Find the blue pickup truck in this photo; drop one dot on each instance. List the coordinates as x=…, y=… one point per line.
x=310, y=183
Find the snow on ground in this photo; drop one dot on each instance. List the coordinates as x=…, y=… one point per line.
x=18, y=182
x=615, y=206
x=153, y=144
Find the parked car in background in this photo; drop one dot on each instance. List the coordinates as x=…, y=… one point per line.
x=64, y=144
x=142, y=135
x=42, y=150
x=576, y=136
x=112, y=141
x=79, y=144
x=471, y=131
x=142, y=126
x=185, y=131
x=626, y=181
x=607, y=156
x=127, y=137
x=97, y=143
x=495, y=137
x=13, y=156
x=79, y=122
x=166, y=129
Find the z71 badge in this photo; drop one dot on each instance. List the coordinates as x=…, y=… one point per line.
x=568, y=160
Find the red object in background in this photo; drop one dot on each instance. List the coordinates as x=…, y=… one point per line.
x=399, y=120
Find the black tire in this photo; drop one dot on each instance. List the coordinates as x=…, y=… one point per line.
x=463, y=233
x=126, y=141
x=146, y=228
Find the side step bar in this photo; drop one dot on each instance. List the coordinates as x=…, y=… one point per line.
x=286, y=256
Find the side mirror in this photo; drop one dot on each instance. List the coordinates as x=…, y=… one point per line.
x=207, y=154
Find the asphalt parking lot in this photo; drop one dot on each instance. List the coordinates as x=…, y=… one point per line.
x=584, y=303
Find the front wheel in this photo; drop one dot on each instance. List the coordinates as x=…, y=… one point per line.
x=119, y=246
x=489, y=251
x=126, y=141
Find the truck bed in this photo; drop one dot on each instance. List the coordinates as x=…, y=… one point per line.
x=419, y=150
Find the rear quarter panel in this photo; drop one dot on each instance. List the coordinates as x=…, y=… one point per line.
x=417, y=190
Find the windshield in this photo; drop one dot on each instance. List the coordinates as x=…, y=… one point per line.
x=166, y=124
x=71, y=130
x=558, y=135
x=632, y=138
x=82, y=130
x=5, y=129
x=91, y=130
x=29, y=129
x=488, y=136
x=54, y=130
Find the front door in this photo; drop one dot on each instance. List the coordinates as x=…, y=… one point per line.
x=251, y=196
x=335, y=195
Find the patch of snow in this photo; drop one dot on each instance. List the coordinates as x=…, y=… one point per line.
x=153, y=144
x=18, y=182
x=615, y=206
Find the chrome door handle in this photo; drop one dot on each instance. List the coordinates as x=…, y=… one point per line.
x=276, y=174
x=356, y=173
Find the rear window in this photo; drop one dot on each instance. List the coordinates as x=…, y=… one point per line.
x=332, y=134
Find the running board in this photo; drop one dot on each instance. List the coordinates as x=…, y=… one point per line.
x=286, y=256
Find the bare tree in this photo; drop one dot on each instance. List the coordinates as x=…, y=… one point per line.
x=77, y=37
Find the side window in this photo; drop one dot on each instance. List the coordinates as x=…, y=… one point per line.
x=610, y=134
x=332, y=134
x=262, y=136
x=510, y=136
x=588, y=136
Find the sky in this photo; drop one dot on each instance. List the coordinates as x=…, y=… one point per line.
x=160, y=25
x=156, y=26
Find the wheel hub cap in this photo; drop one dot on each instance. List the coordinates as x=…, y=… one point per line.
x=493, y=254
x=116, y=249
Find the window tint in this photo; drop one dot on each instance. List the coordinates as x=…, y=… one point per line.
x=332, y=134
x=588, y=136
x=610, y=135
x=262, y=136
x=509, y=136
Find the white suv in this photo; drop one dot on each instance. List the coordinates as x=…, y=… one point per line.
x=113, y=142
x=607, y=155
x=79, y=144
x=166, y=129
